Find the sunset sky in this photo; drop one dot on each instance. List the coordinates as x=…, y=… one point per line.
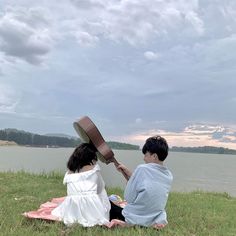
x=136, y=67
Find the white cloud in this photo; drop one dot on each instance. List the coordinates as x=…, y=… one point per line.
x=196, y=22
x=86, y=39
x=138, y=21
x=149, y=55
x=138, y=120
x=193, y=135
x=134, y=22
x=199, y=129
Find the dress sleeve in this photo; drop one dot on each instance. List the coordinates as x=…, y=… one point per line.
x=134, y=185
x=65, y=180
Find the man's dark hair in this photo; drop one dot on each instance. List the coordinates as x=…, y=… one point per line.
x=83, y=155
x=157, y=145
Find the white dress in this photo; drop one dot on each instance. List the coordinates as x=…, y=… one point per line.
x=86, y=202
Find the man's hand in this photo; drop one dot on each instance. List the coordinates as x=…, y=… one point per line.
x=122, y=168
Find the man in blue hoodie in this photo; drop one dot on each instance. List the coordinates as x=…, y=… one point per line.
x=147, y=189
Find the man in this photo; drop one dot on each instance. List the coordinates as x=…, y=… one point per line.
x=147, y=189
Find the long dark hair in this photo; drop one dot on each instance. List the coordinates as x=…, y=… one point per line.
x=83, y=155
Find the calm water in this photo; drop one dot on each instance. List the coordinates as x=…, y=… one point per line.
x=192, y=171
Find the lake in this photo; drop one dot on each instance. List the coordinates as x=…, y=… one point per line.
x=192, y=171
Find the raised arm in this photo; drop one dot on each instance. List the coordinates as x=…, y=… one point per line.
x=122, y=168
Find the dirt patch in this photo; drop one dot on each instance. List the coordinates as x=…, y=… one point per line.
x=7, y=143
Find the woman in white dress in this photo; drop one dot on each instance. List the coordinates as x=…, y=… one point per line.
x=86, y=202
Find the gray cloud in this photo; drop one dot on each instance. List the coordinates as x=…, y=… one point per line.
x=136, y=22
x=88, y=4
x=24, y=34
x=8, y=99
x=133, y=66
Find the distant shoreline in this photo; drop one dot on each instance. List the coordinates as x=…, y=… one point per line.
x=23, y=138
x=199, y=150
x=204, y=149
x=14, y=137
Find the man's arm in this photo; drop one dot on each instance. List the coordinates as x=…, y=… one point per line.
x=124, y=169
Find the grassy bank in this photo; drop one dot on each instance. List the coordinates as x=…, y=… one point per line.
x=189, y=214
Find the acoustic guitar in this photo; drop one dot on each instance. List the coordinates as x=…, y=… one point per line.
x=89, y=133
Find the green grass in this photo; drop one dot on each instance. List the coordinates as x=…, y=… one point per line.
x=189, y=214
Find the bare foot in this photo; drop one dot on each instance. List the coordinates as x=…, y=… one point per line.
x=158, y=226
x=116, y=223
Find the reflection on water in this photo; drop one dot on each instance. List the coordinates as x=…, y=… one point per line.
x=192, y=171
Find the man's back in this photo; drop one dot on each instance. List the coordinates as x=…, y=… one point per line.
x=147, y=193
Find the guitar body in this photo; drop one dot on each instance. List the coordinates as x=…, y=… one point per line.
x=89, y=133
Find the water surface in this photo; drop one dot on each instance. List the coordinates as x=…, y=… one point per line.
x=191, y=171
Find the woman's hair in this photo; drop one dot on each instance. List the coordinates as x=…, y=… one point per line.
x=157, y=145
x=83, y=155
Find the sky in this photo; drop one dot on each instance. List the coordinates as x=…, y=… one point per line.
x=137, y=68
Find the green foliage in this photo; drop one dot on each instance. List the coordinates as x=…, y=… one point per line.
x=204, y=149
x=30, y=139
x=196, y=213
x=122, y=146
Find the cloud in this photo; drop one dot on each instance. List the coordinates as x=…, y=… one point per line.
x=164, y=64
x=200, y=129
x=138, y=120
x=24, y=34
x=194, y=135
x=197, y=23
x=149, y=55
x=8, y=101
x=86, y=39
x=135, y=22
x=88, y=4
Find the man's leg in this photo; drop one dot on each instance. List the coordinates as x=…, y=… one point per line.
x=115, y=212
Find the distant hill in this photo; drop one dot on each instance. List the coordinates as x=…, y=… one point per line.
x=122, y=146
x=60, y=135
x=204, y=149
x=111, y=144
x=21, y=137
x=30, y=139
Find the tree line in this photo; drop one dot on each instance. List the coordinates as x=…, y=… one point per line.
x=30, y=139
x=204, y=149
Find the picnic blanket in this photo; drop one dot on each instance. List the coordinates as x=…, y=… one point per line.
x=45, y=209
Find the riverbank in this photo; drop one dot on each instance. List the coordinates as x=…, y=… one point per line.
x=195, y=213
